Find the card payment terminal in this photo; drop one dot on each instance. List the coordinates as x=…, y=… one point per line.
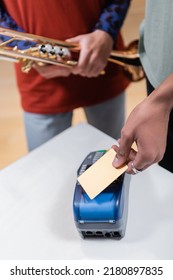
x=106, y=214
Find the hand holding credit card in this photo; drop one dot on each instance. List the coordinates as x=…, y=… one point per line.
x=100, y=175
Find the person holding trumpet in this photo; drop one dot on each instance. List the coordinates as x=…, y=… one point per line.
x=50, y=93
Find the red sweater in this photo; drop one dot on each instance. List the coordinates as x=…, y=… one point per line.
x=62, y=19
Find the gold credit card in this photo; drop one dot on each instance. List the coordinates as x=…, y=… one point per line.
x=100, y=175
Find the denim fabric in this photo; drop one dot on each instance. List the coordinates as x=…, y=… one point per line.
x=107, y=116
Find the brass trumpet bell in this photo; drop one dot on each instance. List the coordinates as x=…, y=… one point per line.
x=29, y=49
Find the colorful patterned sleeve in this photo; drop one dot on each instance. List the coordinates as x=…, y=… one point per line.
x=113, y=16
x=110, y=20
x=7, y=22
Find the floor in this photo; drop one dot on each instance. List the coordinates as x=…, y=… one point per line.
x=12, y=137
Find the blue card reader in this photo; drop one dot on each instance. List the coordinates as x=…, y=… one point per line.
x=106, y=214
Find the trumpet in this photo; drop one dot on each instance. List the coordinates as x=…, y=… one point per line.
x=29, y=49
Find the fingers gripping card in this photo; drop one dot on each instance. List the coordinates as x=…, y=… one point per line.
x=100, y=175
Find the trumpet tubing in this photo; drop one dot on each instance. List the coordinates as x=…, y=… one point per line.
x=29, y=49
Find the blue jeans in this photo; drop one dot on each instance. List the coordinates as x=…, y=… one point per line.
x=107, y=116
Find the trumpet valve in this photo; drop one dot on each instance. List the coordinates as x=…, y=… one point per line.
x=64, y=53
x=54, y=51
x=45, y=49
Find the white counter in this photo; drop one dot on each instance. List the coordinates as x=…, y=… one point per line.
x=36, y=217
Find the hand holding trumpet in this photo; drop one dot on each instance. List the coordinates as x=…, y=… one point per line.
x=95, y=49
